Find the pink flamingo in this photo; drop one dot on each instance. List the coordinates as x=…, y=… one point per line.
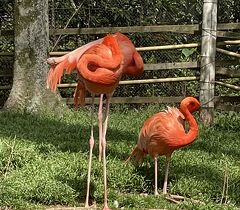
x=100, y=65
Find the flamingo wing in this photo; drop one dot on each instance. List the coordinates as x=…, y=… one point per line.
x=132, y=60
x=67, y=62
x=162, y=132
x=98, y=61
x=101, y=64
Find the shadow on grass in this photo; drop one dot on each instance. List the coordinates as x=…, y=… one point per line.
x=218, y=148
x=202, y=179
x=63, y=135
x=49, y=134
x=217, y=142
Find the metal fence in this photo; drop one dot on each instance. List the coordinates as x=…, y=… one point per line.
x=92, y=14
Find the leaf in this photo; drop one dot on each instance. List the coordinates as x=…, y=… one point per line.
x=188, y=52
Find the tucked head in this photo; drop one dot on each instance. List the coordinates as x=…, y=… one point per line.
x=191, y=103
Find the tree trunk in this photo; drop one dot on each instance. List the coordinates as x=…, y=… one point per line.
x=29, y=91
x=208, y=52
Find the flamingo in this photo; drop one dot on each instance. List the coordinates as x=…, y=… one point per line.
x=79, y=93
x=164, y=132
x=100, y=65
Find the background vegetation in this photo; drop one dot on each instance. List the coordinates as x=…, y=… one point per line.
x=91, y=13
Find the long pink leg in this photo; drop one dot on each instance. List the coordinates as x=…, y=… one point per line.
x=105, y=124
x=91, y=144
x=156, y=175
x=168, y=159
x=100, y=126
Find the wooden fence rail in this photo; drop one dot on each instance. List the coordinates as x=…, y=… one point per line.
x=221, y=102
x=189, y=29
x=221, y=69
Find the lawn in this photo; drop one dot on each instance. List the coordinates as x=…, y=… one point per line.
x=43, y=162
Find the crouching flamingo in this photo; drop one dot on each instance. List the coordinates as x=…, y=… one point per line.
x=164, y=132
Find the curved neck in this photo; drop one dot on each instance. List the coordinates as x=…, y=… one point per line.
x=192, y=134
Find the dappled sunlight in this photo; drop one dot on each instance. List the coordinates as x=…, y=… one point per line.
x=43, y=155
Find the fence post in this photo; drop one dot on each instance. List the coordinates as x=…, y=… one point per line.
x=208, y=52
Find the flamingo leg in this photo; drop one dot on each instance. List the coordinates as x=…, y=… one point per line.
x=168, y=159
x=100, y=126
x=105, y=124
x=173, y=198
x=156, y=175
x=91, y=144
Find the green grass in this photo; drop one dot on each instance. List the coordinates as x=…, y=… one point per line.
x=43, y=162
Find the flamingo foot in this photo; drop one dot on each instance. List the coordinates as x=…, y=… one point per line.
x=106, y=207
x=174, y=198
x=92, y=207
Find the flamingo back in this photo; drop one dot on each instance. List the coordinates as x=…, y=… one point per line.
x=133, y=62
x=161, y=133
x=164, y=132
x=101, y=66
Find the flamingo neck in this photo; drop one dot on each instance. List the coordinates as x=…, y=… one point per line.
x=192, y=134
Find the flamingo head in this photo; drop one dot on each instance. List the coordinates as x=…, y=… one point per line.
x=191, y=103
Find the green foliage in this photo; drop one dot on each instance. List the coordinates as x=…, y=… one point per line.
x=43, y=161
x=94, y=13
x=187, y=53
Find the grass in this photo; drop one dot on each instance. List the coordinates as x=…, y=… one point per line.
x=43, y=162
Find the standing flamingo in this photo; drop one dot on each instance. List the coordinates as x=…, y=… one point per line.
x=100, y=65
x=164, y=132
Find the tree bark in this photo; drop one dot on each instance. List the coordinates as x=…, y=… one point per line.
x=208, y=52
x=29, y=91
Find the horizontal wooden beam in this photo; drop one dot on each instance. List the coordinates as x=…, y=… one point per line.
x=228, y=34
x=10, y=54
x=151, y=48
x=233, y=73
x=223, y=99
x=128, y=29
x=226, y=52
x=148, y=81
x=142, y=81
x=168, y=47
x=229, y=72
x=156, y=99
x=181, y=46
x=225, y=107
x=163, y=47
x=132, y=100
x=5, y=87
x=167, y=66
x=228, y=26
x=7, y=75
x=234, y=87
x=190, y=28
x=221, y=103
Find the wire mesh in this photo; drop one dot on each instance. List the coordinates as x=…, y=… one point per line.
x=90, y=13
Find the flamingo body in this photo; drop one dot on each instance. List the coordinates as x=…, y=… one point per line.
x=164, y=132
x=132, y=60
x=101, y=66
x=161, y=134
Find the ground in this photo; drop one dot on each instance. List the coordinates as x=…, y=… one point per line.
x=43, y=162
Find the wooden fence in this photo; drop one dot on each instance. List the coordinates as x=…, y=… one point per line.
x=222, y=71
